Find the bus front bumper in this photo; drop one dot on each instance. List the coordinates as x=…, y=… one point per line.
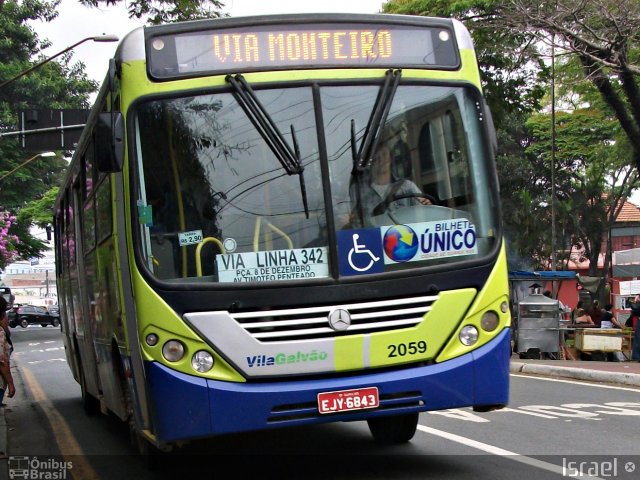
x=186, y=407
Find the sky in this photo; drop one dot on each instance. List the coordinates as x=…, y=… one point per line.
x=75, y=22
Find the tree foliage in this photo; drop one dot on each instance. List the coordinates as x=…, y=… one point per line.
x=57, y=84
x=163, y=11
x=592, y=181
x=28, y=193
x=512, y=72
x=603, y=36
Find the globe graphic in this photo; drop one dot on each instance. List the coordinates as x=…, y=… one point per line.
x=400, y=243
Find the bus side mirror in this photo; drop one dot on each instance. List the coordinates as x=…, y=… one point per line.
x=110, y=142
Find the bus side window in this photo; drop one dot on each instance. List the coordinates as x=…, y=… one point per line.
x=428, y=172
x=456, y=161
x=401, y=153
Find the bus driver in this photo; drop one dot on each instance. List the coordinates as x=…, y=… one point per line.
x=378, y=186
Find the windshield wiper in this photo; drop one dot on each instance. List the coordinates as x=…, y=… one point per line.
x=288, y=157
x=362, y=157
x=376, y=121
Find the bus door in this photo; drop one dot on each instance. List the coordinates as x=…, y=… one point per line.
x=82, y=296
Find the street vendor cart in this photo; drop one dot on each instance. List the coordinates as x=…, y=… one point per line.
x=538, y=329
x=597, y=342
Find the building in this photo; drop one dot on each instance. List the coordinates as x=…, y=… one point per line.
x=625, y=260
x=32, y=282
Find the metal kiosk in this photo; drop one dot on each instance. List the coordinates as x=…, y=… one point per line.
x=538, y=325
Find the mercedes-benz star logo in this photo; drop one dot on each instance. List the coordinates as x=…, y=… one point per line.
x=339, y=319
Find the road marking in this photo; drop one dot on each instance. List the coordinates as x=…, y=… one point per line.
x=69, y=448
x=575, y=382
x=516, y=457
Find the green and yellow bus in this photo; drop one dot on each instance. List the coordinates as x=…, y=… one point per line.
x=228, y=262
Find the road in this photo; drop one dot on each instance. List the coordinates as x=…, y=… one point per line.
x=549, y=430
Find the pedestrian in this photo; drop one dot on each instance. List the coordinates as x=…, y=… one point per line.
x=561, y=306
x=634, y=305
x=5, y=353
x=634, y=323
x=608, y=319
x=574, y=313
x=583, y=319
x=635, y=352
x=596, y=313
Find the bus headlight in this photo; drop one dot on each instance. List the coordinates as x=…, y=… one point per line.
x=504, y=307
x=468, y=335
x=152, y=339
x=202, y=361
x=489, y=321
x=173, y=350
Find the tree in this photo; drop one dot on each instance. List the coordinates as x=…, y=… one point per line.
x=29, y=193
x=163, y=11
x=602, y=34
x=511, y=70
x=54, y=85
x=592, y=181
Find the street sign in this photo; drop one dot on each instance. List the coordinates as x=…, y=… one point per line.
x=58, y=129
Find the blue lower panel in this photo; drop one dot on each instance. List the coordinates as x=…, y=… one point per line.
x=186, y=407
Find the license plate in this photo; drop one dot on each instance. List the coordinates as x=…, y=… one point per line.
x=347, y=400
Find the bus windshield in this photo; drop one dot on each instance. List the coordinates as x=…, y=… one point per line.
x=228, y=195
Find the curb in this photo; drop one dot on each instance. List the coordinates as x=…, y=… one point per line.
x=632, y=379
x=3, y=434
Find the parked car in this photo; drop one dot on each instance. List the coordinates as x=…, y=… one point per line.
x=54, y=310
x=32, y=315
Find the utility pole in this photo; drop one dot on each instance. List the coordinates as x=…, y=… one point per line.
x=553, y=154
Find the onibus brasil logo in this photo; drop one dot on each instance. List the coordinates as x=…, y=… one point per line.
x=34, y=468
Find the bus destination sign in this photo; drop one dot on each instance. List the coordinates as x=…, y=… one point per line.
x=317, y=46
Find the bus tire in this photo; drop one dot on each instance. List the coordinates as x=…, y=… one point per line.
x=90, y=404
x=395, y=429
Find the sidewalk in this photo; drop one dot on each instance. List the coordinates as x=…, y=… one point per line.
x=620, y=373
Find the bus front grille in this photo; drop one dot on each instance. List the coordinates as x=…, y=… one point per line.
x=296, y=324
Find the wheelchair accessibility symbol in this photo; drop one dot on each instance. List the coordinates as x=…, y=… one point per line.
x=364, y=256
x=360, y=251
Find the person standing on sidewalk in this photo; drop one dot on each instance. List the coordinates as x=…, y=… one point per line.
x=5, y=353
x=635, y=319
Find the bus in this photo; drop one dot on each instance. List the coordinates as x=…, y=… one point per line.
x=219, y=269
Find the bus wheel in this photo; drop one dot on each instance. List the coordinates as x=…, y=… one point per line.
x=394, y=430
x=90, y=403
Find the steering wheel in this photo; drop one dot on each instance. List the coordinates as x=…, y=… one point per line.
x=384, y=205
